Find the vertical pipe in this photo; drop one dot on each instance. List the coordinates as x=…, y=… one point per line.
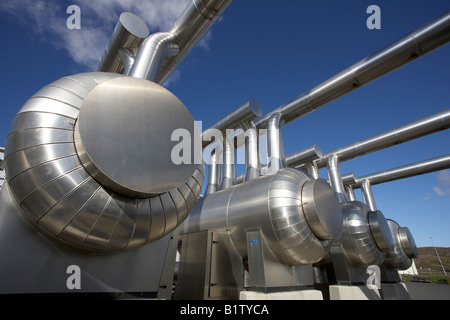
x=253, y=165
x=275, y=147
x=151, y=54
x=334, y=175
x=311, y=167
x=213, y=173
x=367, y=194
x=350, y=193
x=229, y=162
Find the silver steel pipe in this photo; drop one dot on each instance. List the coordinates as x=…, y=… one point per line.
x=275, y=146
x=247, y=112
x=253, y=165
x=335, y=179
x=306, y=158
x=229, y=163
x=349, y=179
x=406, y=171
x=367, y=194
x=425, y=39
x=129, y=32
x=213, y=173
x=194, y=22
x=416, y=129
x=151, y=54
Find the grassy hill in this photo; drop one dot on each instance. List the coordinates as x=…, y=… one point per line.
x=428, y=264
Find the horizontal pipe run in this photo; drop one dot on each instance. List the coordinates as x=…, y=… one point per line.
x=406, y=171
x=247, y=112
x=425, y=39
x=428, y=125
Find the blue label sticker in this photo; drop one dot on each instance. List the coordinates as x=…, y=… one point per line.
x=254, y=242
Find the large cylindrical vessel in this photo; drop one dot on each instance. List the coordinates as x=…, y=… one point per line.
x=296, y=213
x=405, y=249
x=366, y=236
x=88, y=161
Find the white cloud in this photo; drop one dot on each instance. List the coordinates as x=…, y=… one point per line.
x=443, y=187
x=47, y=18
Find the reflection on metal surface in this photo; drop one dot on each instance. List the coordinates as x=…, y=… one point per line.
x=296, y=214
x=400, y=258
x=49, y=177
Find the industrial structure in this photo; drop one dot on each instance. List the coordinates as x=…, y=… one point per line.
x=70, y=197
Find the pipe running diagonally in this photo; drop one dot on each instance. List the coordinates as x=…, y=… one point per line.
x=406, y=171
x=413, y=130
x=425, y=39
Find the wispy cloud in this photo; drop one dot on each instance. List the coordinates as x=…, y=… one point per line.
x=443, y=187
x=47, y=18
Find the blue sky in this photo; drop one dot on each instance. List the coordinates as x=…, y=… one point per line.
x=271, y=51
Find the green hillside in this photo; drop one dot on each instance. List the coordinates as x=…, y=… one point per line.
x=428, y=264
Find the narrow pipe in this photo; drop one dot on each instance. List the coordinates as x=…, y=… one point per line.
x=334, y=176
x=367, y=194
x=213, y=173
x=428, y=125
x=229, y=163
x=348, y=179
x=425, y=39
x=275, y=147
x=406, y=171
x=253, y=166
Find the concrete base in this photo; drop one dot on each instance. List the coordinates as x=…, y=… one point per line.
x=340, y=292
x=394, y=291
x=286, y=295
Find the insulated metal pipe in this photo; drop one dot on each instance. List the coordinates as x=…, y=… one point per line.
x=229, y=163
x=151, y=54
x=253, y=166
x=306, y=158
x=425, y=39
x=367, y=194
x=213, y=173
x=193, y=23
x=129, y=32
x=275, y=147
x=160, y=53
x=247, y=112
x=406, y=171
x=334, y=175
x=349, y=179
x=416, y=129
